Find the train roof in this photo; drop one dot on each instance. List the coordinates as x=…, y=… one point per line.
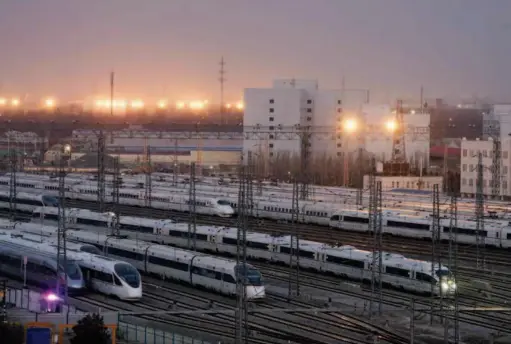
x=23, y=195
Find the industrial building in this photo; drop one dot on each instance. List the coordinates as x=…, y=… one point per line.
x=497, y=122
x=469, y=162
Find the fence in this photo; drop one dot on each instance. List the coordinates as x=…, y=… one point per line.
x=129, y=329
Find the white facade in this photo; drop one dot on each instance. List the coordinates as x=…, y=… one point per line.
x=469, y=161
x=388, y=183
x=289, y=103
x=497, y=122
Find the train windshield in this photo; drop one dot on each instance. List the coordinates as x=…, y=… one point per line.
x=128, y=273
x=444, y=274
x=253, y=275
x=50, y=201
x=72, y=270
x=91, y=249
x=222, y=202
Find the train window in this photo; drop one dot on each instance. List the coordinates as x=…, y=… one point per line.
x=50, y=201
x=72, y=270
x=284, y=249
x=306, y=254
x=397, y=271
x=127, y=273
x=508, y=237
x=91, y=222
x=257, y=245
x=465, y=231
x=344, y=261
x=420, y=276
x=117, y=281
x=207, y=273
x=168, y=263
x=228, y=278
x=223, y=202
x=125, y=254
x=355, y=219
x=335, y=218
x=136, y=228
x=409, y=225
x=202, y=237
x=229, y=241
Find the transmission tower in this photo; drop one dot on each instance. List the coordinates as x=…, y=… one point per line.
x=435, y=247
x=375, y=227
x=496, y=164
x=192, y=205
x=241, y=254
x=13, y=158
x=294, y=254
x=453, y=267
x=222, y=80
x=61, y=237
x=148, y=170
x=101, y=170
x=304, y=161
x=479, y=213
x=116, y=176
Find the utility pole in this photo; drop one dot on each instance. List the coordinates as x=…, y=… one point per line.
x=453, y=268
x=304, y=161
x=192, y=204
x=176, y=162
x=375, y=227
x=101, y=171
x=222, y=81
x=480, y=240
x=294, y=254
x=148, y=170
x=117, y=205
x=435, y=248
x=61, y=237
x=241, y=253
x=12, y=184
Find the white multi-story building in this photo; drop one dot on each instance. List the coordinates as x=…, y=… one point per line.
x=289, y=103
x=469, y=162
x=497, y=122
x=301, y=102
x=379, y=120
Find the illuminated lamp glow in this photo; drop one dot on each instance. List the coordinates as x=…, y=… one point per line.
x=3, y=101
x=50, y=102
x=137, y=104
x=15, y=102
x=51, y=297
x=240, y=106
x=228, y=106
x=350, y=125
x=180, y=105
x=391, y=125
x=162, y=104
x=196, y=105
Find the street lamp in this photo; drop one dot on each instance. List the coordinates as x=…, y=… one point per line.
x=350, y=125
x=391, y=125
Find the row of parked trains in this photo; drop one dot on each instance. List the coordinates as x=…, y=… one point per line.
x=344, y=261
x=109, y=264
x=418, y=225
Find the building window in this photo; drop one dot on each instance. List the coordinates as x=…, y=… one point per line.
x=471, y=168
x=309, y=110
x=271, y=145
x=339, y=153
x=272, y=136
x=463, y=181
x=471, y=152
x=272, y=101
x=309, y=118
x=464, y=167
x=339, y=110
x=464, y=152
x=272, y=119
x=339, y=102
x=271, y=153
x=504, y=184
x=393, y=184
x=484, y=182
x=272, y=110
x=339, y=145
x=504, y=169
x=272, y=127
x=485, y=153
x=470, y=182
x=504, y=155
x=309, y=101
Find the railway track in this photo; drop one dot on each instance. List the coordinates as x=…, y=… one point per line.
x=496, y=259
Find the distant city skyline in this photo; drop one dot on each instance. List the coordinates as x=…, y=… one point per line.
x=162, y=49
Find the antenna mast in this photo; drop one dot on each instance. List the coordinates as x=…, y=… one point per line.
x=222, y=81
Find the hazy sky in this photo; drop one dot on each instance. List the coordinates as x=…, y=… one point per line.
x=172, y=47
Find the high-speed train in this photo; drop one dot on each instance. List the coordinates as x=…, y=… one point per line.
x=196, y=269
x=100, y=274
x=40, y=268
x=26, y=202
x=346, y=261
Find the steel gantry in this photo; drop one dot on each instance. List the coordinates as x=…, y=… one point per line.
x=304, y=134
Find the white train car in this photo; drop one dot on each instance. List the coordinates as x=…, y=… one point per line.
x=197, y=269
x=265, y=247
x=495, y=233
x=27, y=202
x=100, y=274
